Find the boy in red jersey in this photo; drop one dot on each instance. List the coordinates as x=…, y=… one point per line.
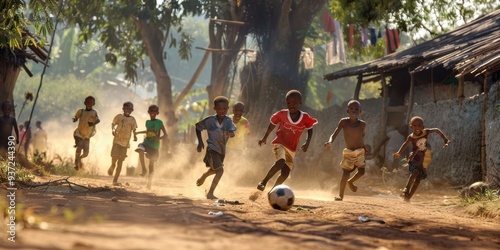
x=291, y=122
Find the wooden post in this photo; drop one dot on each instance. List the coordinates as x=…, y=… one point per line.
x=358, y=87
x=461, y=88
x=410, y=98
x=484, y=164
x=432, y=86
x=383, y=116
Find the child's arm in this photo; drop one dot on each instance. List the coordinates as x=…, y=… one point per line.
x=335, y=133
x=113, y=129
x=268, y=131
x=77, y=115
x=164, y=136
x=135, y=135
x=308, y=139
x=200, y=141
x=397, y=154
x=96, y=121
x=440, y=133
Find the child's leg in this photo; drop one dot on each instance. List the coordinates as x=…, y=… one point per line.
x=414, y=187
x=343, y=182
x=285, y=172
x=86, y=144
x=350, y=182
x=114, y=160
x=218, y=175
x=277, y=166
x=151, y=171
x=143, y=164
x=204, y=176
x=118, y=170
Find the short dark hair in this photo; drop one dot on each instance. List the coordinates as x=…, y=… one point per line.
x=153, y=107
x=5, y=103
x=220, y=99
x=239, y=104
x=128, y=104
x=89, y=97
x=416, y=118
x=354, y=101
x=294, y=93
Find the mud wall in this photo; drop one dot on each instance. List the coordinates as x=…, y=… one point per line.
x=460, y=163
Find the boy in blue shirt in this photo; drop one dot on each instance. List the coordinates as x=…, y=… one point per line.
x=220, y=128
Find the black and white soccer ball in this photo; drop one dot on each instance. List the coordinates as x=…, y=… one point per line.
x=281, y=197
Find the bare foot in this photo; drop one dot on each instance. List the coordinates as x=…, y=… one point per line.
x=211, y=197
x=338, y=199
x=200, y=182
x=351, y=186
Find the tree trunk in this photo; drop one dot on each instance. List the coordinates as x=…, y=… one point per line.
x=8, y=77
x=154, y=48
x=280, y=64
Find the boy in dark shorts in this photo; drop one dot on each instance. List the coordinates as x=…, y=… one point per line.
x=220, y=128
x=151, y=143
x=122, y=127
x=420, y=157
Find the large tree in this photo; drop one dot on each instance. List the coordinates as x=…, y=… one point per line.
x=280, y=28
x=131, y=30
x=22, y=40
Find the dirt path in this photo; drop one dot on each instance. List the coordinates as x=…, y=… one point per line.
x=174, y=215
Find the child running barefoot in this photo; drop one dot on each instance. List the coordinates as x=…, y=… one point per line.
x=420, y=157
x=151, y=144
x=291, y=122
x=353, y=156
x=220, y=128
x=88, y=119
x=122, y=127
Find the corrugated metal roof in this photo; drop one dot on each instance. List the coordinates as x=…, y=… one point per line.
x=473, y=48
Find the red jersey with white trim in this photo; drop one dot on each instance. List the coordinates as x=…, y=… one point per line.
x=288, y=133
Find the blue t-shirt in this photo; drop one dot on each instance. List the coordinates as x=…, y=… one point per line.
x=217, y=137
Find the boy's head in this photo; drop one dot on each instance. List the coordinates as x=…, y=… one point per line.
x=353, y=109
x=38, y=124
x=417, y=124
x=221, y=106
x=89, y=102
x=238, y=109
x=293, y=100
x=6, y=108
x=128, y=107
x=153, y=111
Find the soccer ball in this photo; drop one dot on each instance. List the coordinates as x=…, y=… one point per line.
x=281, y=197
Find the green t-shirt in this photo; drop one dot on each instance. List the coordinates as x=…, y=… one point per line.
x=153, y=128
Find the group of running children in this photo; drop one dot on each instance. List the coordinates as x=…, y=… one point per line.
x=291, y=122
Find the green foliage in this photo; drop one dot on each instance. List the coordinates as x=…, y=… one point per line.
x=21, y=173
x=59, y=97
x=123, y=26
x=489, y=194
x=14, y=24
x=431, y=17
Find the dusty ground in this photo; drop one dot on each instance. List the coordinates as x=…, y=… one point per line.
x=174, y=215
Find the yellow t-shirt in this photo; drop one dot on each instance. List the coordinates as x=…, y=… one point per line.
x=240, y=135
x=125, y=125
x=84, y=116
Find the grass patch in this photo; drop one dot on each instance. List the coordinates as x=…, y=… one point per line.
x=485, y=204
